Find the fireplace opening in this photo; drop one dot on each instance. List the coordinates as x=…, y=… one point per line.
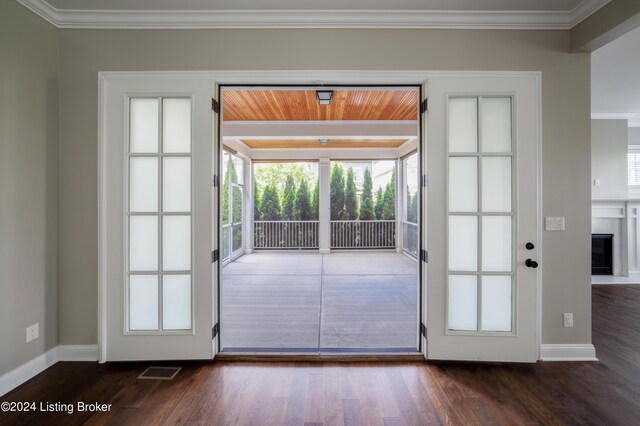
x=601, y=254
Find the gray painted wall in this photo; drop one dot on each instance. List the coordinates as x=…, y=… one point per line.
x=609, y=146
x=566, y=131
x=634, y=136
x=28, y=184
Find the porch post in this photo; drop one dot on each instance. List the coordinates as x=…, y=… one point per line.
x=324, y=227
x=247, y=215
x=401, y=203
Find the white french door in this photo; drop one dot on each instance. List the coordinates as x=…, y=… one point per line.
x=156, y=225
x=482, y=161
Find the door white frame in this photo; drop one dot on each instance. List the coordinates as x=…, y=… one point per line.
x=302, y=77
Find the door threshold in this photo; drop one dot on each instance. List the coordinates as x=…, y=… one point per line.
x=343, y=356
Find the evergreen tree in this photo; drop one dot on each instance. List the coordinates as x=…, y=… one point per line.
x=315, y=201
x=350, y=198
x=389, y=199
x=225, y=194
x=337, y=192
x=379, y=201
x=366, y=205
x=412, y=207
x=231, y=175
x=257, y=215
x=288, y=197
x=302, y=207
x=270, y=205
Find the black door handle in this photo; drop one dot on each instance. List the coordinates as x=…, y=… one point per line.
x=530, y=246
x=531, y=263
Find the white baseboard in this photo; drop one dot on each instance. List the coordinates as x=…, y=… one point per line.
x=78, y=353
x=18, y=376
x=29, y=369
x=324, y=251
x=568, y=352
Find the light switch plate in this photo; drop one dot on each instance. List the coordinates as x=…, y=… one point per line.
x=554, y=223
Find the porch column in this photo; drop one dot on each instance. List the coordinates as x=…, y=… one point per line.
x=247, y=214
x=401, y=203
x=324, y=216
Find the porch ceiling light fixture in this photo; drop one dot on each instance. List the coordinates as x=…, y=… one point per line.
x=324, y=96
x=324, y=141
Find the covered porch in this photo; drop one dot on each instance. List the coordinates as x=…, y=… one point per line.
x=362, y=301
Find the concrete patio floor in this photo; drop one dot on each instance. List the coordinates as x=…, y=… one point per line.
x=305, y=301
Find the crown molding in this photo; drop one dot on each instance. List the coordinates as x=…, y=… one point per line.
x=411, y=19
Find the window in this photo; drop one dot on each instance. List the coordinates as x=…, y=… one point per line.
x=633, y=176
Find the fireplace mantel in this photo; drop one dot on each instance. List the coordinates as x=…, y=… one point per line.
x=619, y=217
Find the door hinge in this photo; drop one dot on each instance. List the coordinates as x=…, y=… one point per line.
x=215, y=106
x=215, y=181
x=215, y=330
x=424, y=256
x=423, y=330
x=424, y=106
x=215, y=255
x=423, y=181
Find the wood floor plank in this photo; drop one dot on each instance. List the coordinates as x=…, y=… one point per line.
x=332, y=396
x=372, y=412
x=352, y=412
x=314, y=405
x=297, y=397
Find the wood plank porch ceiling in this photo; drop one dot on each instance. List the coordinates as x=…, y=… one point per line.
x=296, y=105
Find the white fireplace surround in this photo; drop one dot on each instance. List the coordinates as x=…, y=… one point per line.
x=620, y=218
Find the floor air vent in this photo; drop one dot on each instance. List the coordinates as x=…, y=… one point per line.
x=160, y=373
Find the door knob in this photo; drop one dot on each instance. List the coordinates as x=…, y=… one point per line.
x=530, y=246
x=531, y=263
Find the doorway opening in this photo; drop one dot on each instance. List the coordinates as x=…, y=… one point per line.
x=320, y=230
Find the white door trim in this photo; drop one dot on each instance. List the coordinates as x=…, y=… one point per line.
x=302, y=77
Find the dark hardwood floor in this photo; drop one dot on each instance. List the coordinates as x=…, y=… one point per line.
x=247, y=393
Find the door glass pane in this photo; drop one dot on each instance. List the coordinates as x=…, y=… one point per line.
x=143, y=125
x=463, y=303
x=176, y=184
x=143, y=302
x=496, y=243
x=176, y=125
x=463, y=125
x=176, y=243
x=463, y=184
x=496, y=124
x=143, y=184
x=496, y=303
x=496, y=184
x=176, y=302
x=143, y=243
x=463, y=243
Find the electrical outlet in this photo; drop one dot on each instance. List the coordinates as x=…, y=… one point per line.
x=568, y=320
x=33, y=332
